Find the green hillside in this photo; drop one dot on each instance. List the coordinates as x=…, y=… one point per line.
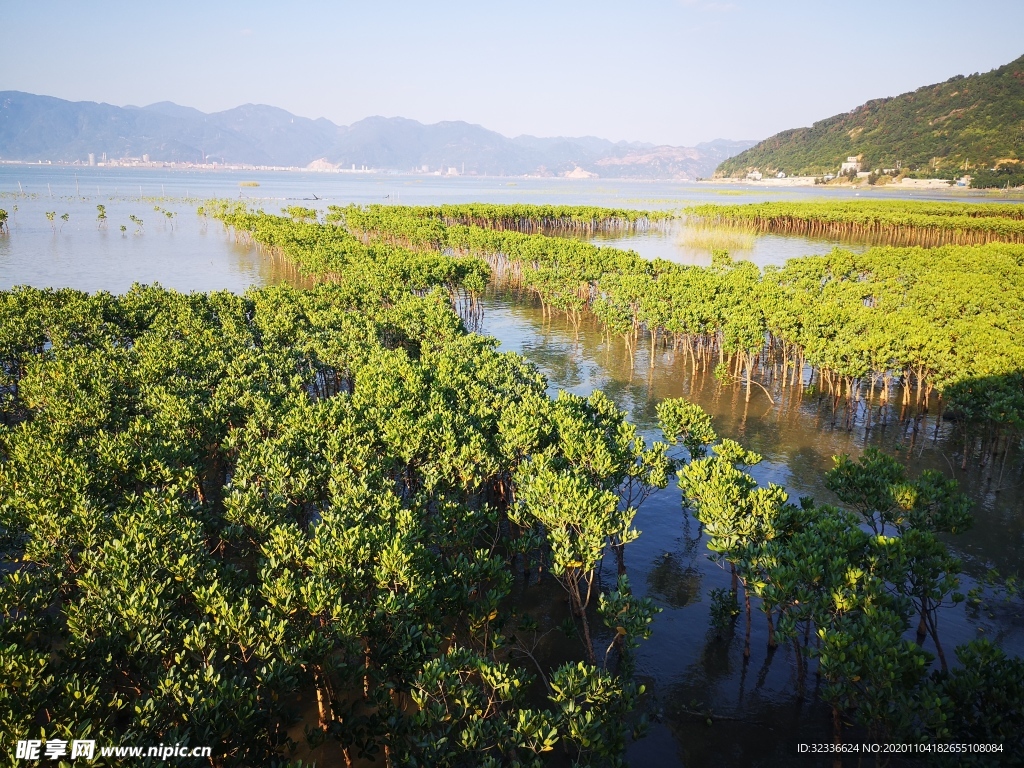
x=975, y=121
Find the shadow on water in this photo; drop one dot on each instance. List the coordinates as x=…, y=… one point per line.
x=756, y=714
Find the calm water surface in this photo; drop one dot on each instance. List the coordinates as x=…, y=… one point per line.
x=186, y=254
x=686, y=670
x=690, y=671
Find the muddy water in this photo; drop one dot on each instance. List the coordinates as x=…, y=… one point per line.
x=757, y=715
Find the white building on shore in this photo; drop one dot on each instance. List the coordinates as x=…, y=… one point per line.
x=852, y=164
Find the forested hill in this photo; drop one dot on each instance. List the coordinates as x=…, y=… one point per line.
x=976, y=120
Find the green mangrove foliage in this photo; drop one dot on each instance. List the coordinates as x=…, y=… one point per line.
x=945, y=320
x=845, y=596
x=332, y=253
x=532, y=218
x=266, y=522
x=894, y=222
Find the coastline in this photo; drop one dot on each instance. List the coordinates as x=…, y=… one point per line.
x=931, y=185
x=68, y=176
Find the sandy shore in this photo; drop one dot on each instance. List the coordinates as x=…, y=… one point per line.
x=808, y=181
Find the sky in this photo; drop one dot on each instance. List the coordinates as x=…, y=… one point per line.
x=664, y=71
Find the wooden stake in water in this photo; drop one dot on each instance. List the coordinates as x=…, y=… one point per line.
x=22, y=191
x=77, y=192
x=49, y=190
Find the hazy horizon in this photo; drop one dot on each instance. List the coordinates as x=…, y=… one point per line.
x=367, y=117
x=677, y=72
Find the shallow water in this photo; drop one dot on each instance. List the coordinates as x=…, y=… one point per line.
x=686, y=670
x=690, y=671
x=186, y=253
x=670, y=243
x=419, y=189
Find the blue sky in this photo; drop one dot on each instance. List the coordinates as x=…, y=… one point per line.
x=668, y=71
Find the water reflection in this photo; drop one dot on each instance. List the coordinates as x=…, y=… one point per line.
x=674, y=582
x=691, y=672
x=756, y=711
x=687, y=242
x=185, y=251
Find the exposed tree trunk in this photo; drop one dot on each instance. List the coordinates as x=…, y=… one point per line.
x=934, y=630
x=323, y=697
x=579, y=609
x=837, y=735
x=366, y=670
x=749, y=368
x=746, y=639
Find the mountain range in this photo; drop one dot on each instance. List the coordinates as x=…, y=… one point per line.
x=34, y=127
x=973, y=124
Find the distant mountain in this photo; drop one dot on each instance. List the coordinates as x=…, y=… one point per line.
x=976, y=120
x=638, y=160
x=174, y=110
x=45, y=128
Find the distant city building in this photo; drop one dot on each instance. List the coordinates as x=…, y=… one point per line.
x=754, y=176
x=425, y=168
x=453, y=171
x=780, y=175
x=104, y=157
x=92, y=158
x=145, y=158
x=852, y=164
